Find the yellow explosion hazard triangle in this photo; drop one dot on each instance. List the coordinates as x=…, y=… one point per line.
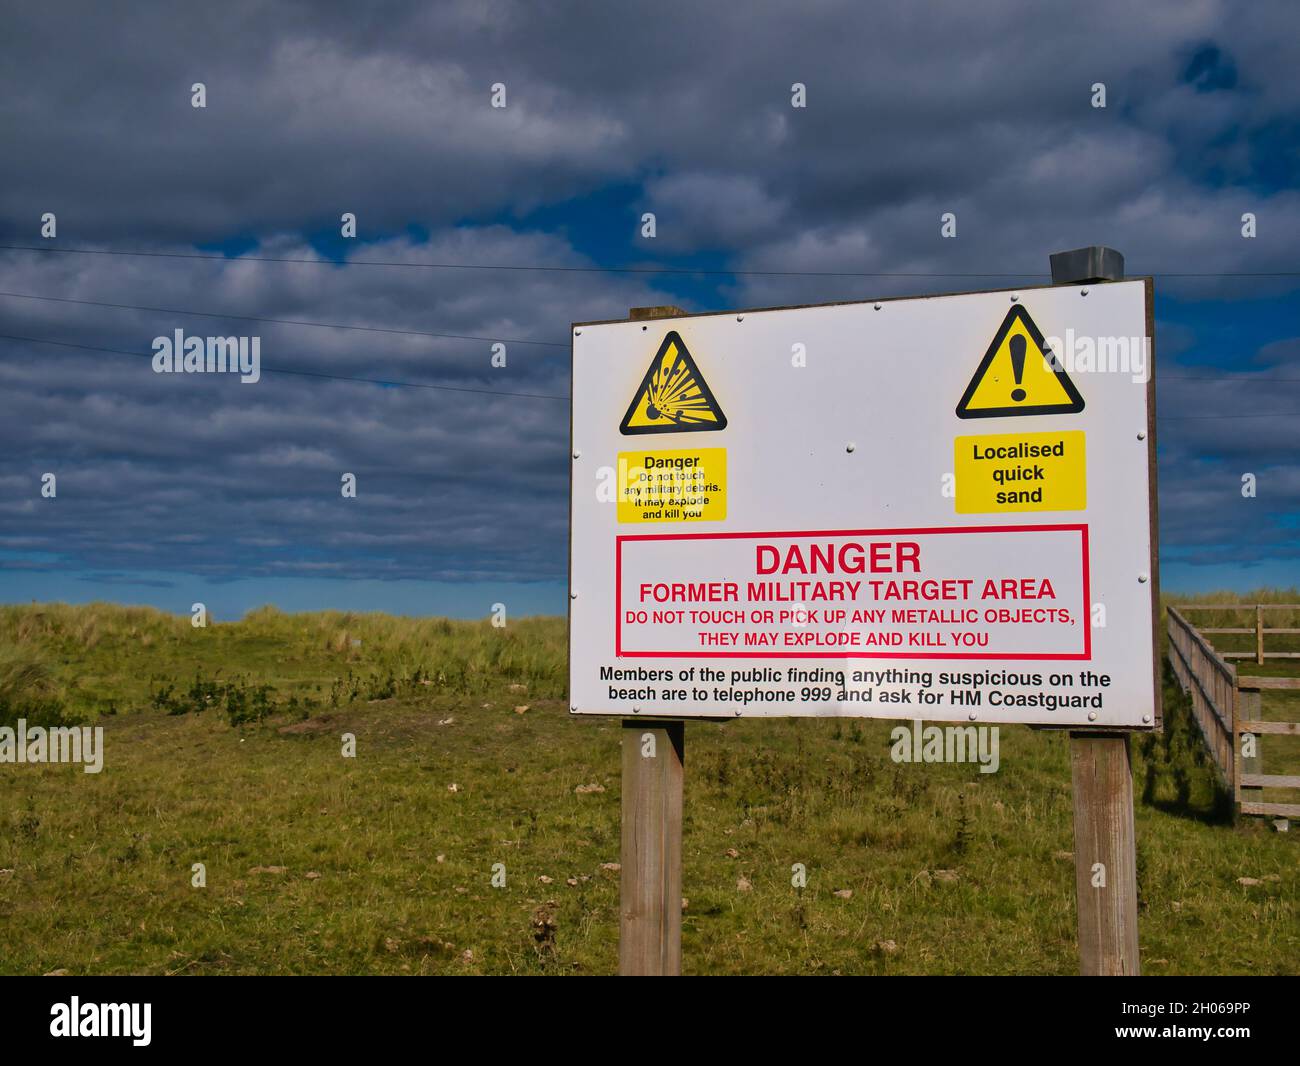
x=1018, y=376
x=673, y=397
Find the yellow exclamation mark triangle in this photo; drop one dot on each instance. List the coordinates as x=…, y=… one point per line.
x=673, y=397
x=1018, y=376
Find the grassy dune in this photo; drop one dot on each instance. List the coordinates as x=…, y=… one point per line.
x=223, y=748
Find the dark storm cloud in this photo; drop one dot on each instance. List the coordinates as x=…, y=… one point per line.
x=316, y=109
x=222, y=478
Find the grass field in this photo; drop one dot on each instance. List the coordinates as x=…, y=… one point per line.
x=223, y=747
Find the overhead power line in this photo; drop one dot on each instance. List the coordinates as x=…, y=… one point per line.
x=683, y=271
x=522, y=395
x=302, y=373
x=282, y=321
x=1227, y=376
x=1249, y=414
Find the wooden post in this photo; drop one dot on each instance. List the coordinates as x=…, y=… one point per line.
x=1105, y=845
x=650, y=892
x=1105, y=854
x=1248, y=709
x=1259, y=634
x=650, y=882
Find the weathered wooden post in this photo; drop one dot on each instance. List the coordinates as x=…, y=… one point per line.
x=1259, y=634
x=650, y=888
x=1105, y=844
x=1248, y=764
x=1105, y=854
x=650, y=882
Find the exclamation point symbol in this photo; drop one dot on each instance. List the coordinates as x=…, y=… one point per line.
x=1018, y=365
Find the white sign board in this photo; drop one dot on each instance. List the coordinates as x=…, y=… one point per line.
x=933, y=508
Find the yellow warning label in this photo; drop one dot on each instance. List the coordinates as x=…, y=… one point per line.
x=1021, y=472
x=673, y=397
x=686, y=486
x=1019, y=376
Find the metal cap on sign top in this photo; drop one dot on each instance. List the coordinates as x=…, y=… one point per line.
x=1081, y=265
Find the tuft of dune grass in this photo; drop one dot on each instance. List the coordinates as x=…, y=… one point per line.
x=29, y=689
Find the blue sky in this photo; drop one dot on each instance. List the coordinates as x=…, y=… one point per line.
x=176, y=491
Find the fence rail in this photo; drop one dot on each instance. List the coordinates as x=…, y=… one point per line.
x=1259, y=628
x=1226, y=707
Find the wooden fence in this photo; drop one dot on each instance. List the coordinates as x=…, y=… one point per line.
x=1227, y=709
x=1259, y=629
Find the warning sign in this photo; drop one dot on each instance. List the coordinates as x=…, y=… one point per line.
x=673, y=397
x=684, y=486
x=959, y=593
x=844, y=541
x=1021, y=472
x=1019, y=376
